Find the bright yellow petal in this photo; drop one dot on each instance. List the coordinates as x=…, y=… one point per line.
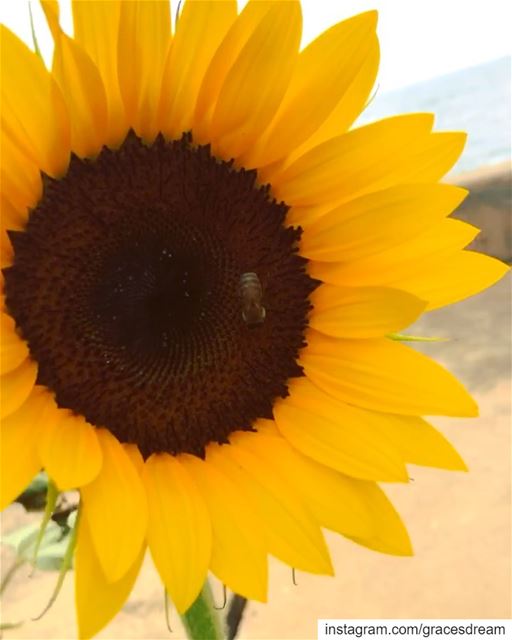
x=6, y=260
x=179, y=532
x=361, y=161
x=288, y=528
x=368, y=159
x=96, y=27
x=459, y=276
x=324, y=73
x=390, y=533
x=257, y=81
x=222, y=61
x=20, y=179
x=13, y=349
x=135, y=456
x=349, y=107
x=362, y=312
x=19, y=460
x=69, y=449
x=378, y=221
x=420, y=254
x=335, y=500
x=97, y=599
x=342, y=503
x=143, y=43
x=200, y=29
x=15, y=387
x=115, y=507
x=432, y=160
x=337, y=435
x=33, y=110
x=239, y=559
x=383, y=375
x=12, y=217
x=419, y=443
x=82, y=89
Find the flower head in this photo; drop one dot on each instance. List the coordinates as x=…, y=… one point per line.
x=202, y=267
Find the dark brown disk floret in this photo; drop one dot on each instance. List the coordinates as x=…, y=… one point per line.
x=125, y=284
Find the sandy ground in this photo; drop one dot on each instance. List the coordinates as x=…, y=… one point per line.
x=488, y=207
x=459, y=523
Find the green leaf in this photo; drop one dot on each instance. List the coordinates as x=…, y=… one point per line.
x=6, y=626
x=34, y=496
x=51, y=557
x=52, y=547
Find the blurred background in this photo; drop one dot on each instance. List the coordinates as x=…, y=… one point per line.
x=454, y=59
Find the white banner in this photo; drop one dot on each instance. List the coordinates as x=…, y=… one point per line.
x=413, y=629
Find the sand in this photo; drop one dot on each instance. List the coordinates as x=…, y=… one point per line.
x=459, y=523
x=489, y=207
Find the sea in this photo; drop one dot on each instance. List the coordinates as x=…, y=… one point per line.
x=476, y=100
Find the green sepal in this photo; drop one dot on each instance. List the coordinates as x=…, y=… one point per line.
x=33, y=30
x=52, y=495
x=67, y=561
x=402, y=337
x=201, y=621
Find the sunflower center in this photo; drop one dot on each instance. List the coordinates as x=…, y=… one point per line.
x=161, y=294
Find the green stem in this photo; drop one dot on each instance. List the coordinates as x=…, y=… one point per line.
x=201, y=621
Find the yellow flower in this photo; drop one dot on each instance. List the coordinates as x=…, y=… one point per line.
x=201, y=264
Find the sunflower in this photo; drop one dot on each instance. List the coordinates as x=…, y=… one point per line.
x=203, y=265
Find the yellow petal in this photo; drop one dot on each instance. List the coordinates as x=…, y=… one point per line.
x=459, y=276
x=20, y=179
x=423, y=253
x=222, y=61
x=342, y=503
x=135, y=456
x=13, y=349
x=179, y=532
x=349, y=107
x=288, y=528
x=33, y=110
x=115, y=507
x=12, y=217
x=257, y=81
x=200, y=29
x=335, y=500
x=96, y=27
x=434, y=158
x=15, y=387
x=337, y=435
x=419, y=443
x=69, y=449
x=362, y=312
x=384, y=375
x=239, y=559
x=97, y=599
x=324, y=73
x=143, y=43
x=409, y=156
x=363, y=160
x=82, y=89
x=6, y=260
x=390, y=533
x=377, y=221
x=19, y=460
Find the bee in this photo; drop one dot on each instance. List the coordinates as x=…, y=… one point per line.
x=251, y=294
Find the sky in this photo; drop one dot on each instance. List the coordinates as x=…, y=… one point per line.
x=420, y=39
